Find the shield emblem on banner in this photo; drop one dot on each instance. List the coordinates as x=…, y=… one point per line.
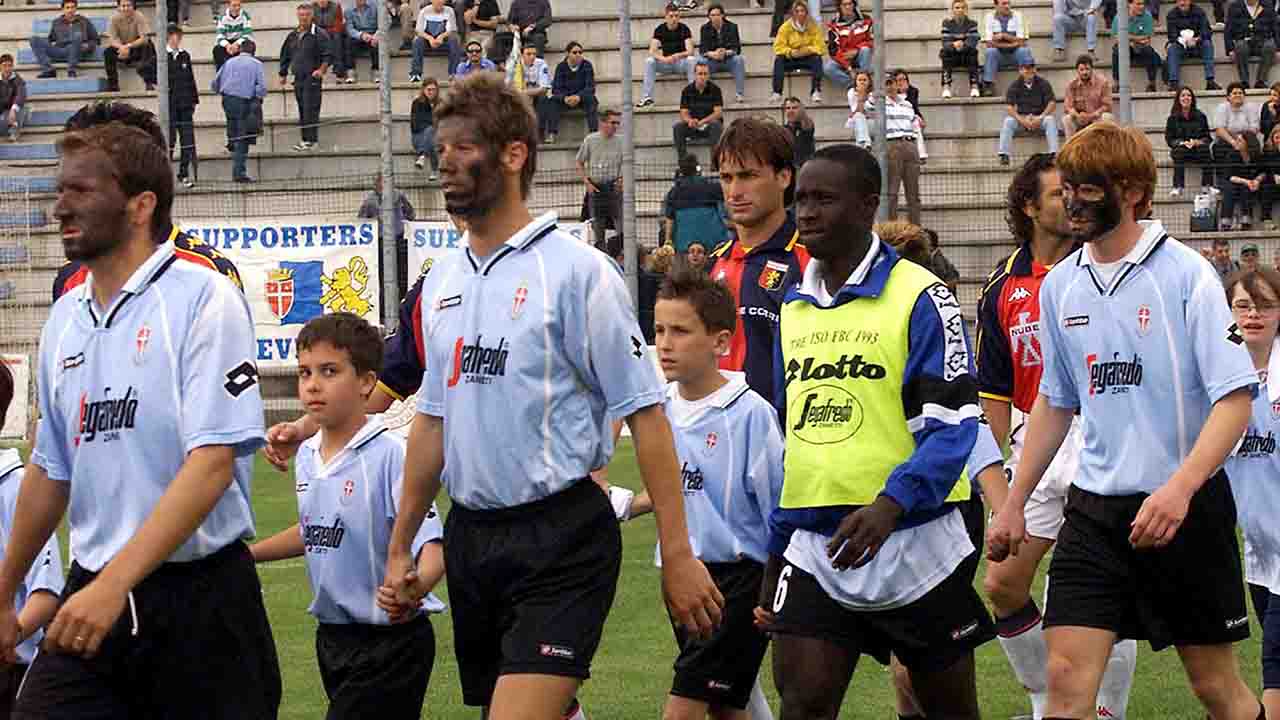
x=279, y=292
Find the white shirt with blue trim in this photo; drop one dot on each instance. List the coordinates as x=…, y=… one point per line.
x=45, y=574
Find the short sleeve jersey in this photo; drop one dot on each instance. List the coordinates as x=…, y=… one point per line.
x=127, y=391
x=1143, y=357
x=530, y=352
x=45, y=574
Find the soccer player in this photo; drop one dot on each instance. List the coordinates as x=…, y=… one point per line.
x=36, y=599
x=1135, y=337
x=530, y=340
x=373, y=664
x=1255, y=305
x=763, y=257
x=150, y=413
x=1009, y=365
x=186, y=247
x=730, y=450
x=880, y=414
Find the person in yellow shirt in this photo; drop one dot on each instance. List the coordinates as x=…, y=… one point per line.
x=799, y=45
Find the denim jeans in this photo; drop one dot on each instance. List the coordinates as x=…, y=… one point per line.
x=424, y=143
x=47, y=53
x=1011, y=126
x=652, y=67
x=234, y=107
x=733, y=65
x=842, y=78
x=811, y=64
x=997, y=59
x=24, y=115
x=1179, y=54
x=421, y=49
x=1063, y=24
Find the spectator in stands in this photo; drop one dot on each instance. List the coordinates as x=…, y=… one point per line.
x=537, y=86
x=959, y=47
x=902, y=134
x=900, y=78
x=306, y=54
x=1186, y=132
x=484, y=21
x=720, y=47
x=243, y=85
x=1189, y=36
x=530, y=18
x=400, y=11
x=862, y=106
x=1221, y=259
x=800, y=125
x=1270, y=167
x=939, y=264
x=422, y=126
x=696, y=257
x=1005, y=41
x=1249, y=257
x=1236, y=148
x=129, y=43
x=798, y=46
x=234, y=27
x=327, y=14
x=1270, y=111
x=1074, y=16
x=670, y=53
x=1251, y=32
x=1088, y=98
x=180, y=11
x=183, y=98
x=1241, y=190
x=13, y=98
x=371, y=209
x=71, y=39
x=475, y=62
x=599, y=164
x=849, y=44
x=1030, y=109
x=362, y=38
x=1141, y=54
x=693, y=210
x=701, y=111
x=572, y=88
x=436, y=33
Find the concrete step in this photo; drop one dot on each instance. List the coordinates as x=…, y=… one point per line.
x=85, y=83
x=22, y=219
x=51, y=118
x=27, y=184
x=27, y=151
x=14, y=254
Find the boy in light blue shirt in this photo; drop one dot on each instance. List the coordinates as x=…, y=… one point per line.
x=348, y=483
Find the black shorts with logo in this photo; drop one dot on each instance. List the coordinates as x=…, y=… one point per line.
x=193, y=642
x=722, y=670
x=376, y=671
x=928, y=635
x=1190, y=592
x=530, y=586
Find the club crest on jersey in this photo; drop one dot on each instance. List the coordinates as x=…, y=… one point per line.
x=712, y=440
x=517, y=303
x=1144, y=320
x=772, y=275
x=1275, y=410
x=348, y=490
x=141, y=342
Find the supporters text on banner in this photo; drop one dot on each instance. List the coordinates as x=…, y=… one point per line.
x=429, y=240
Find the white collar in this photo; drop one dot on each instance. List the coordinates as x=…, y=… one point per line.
x=722, y=398
x=811, y=283
x=372, y=428
x=10, y=460
x=137, y=282
x=1152, y=233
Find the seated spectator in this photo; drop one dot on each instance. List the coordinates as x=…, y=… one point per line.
x=701, y=111
x=696, y=258
x=1186, y=132
x=13, y=98
x=329, y=17
x=530, y=18
x=436, y=34
x=1030, y=108
x=1270, y=167
x=1249, y=257
x=720, y=47
x=180, y=11
x=1190, y=35
x=800, y=125
x=537, y=86
x=959, y=48
x=599, y=162
x=1236, y=149
x=1088, y=98
x=902, y=133
x=422, y=126
x=670, y=53
x=572, y=88
x=371, y=209
x=234, y=27
x=862, y=106
x=798, y=46
x=129, y=43
x=241, y=83
x=1270, y=111
x=400, y=11
x=1005, y=44
x=484, y=24
x=693, y=210
x=362, y=38
x=1251, y=32
x=1074, y=16
x=1141, y=54
x=184, y=96
x=475, y=62
x=71, y=39
x=849, y=44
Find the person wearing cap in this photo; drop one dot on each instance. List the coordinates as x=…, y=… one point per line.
x=1031, y=105
x=1249, y=257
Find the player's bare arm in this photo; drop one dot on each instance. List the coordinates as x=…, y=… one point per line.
x=692, y=597
x=423, y=463
x=1046, y=429
x=1000, y=416
x=91, y=612
x=41, y=504
x=994, y=486
x=39, y=610
x=284, y=438
x=428, y=573
x=283, y=545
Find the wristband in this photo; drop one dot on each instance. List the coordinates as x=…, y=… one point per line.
x=621, y=498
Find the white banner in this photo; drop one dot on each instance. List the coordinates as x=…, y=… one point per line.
x=296, y=269
x=15, y=424
x=430, y=239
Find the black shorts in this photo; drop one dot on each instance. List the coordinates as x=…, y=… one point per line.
x=1190, y=592
x=10, y=681
x=1271, y=644
x=376, y=670
x=927, y=635
x=1261, y=597
x=722, y=670
x=530, y=587
x=975, y=523
x=193, y=642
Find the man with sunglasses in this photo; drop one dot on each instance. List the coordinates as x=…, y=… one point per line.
x=572, y=88
x=476, y=61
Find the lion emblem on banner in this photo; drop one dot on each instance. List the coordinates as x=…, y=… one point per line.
x=346, y=289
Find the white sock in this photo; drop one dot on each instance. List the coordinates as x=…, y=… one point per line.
x=758, y=706
x=577, y=714
x=1022, y=637
x=1113, y=694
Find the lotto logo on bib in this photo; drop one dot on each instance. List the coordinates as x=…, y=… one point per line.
x=1115, y=376
x=825, y=414
x=479, y=363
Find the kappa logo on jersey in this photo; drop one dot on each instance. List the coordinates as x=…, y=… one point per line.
x=517, y=303
x=1115, y=375
x=826, y=414
x=691, y=479
x=1144, y=320
x=1020, y=293
x=320, y=537
x=1025, y=337
x=772, y=275
x=108, y=416
x=477, y=362
x=141, y=342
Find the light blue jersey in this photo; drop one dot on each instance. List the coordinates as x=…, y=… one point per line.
x=730, y=449
x=346, y=508
x=126, y=392
x=1144, y=352
x=45, y=574
x=1254, y=472
x=529, y=353
x=985, y=454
